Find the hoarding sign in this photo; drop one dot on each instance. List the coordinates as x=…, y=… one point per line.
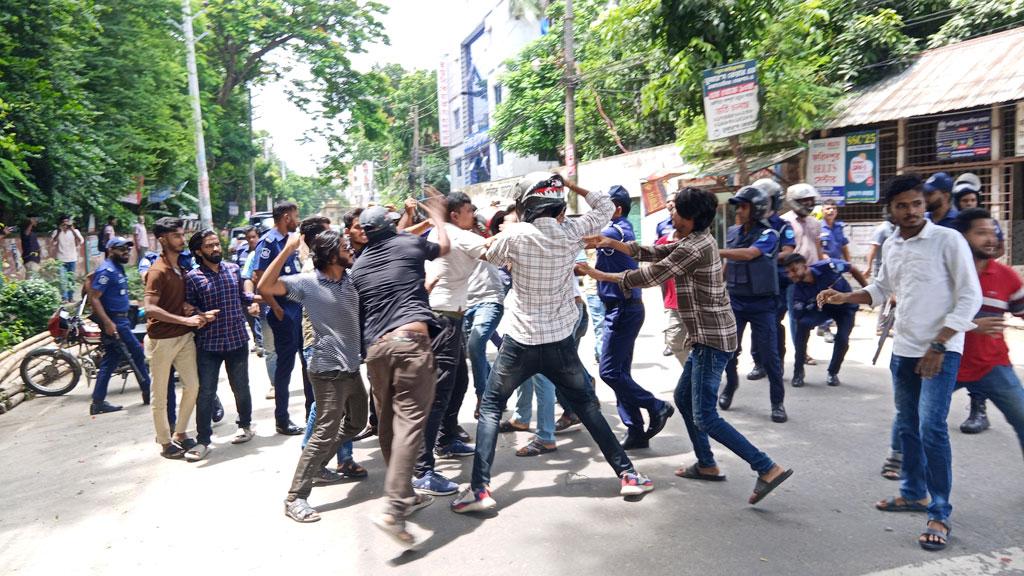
x=861, y=167
x=964, y=136
x=730, y=99
x=826, y=161
x=444, y=112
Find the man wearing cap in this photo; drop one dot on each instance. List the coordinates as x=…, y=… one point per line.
x=397, y=326
x=110, y=302
x=753, y=282
x=623, y=319
x=447, y=282
x=541, y=251
x=284, y=317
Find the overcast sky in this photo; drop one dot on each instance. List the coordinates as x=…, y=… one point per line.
x=420, y=31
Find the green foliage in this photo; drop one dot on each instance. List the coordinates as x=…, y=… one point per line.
x=974, y=17
x=26, y=306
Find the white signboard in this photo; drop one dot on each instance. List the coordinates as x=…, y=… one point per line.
x=444, y=112
x=826, y=159
x=730, y=99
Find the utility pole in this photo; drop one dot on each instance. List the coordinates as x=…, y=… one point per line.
x=569, y=77
x=414, y=171
x=205, y=211
x=252, y=161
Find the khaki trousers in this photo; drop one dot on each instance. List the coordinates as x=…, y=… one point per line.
x=675, y=336
x=162, y=354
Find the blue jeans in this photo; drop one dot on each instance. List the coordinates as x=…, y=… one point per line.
x=560, y=363
x=208, y=363
x=479, y=324
x=622, y=325
x=844, y=319
x=763, y=339
x=545, y=406
x=113, y=356
x=922, y=406
x=67, y=279
x=696, y=396
x=1003, y=388
x=596, y=308
x=450, y=356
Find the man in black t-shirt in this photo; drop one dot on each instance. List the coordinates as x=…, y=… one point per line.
x=397, y=323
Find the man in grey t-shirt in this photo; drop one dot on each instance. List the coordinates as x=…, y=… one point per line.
x=338, y=389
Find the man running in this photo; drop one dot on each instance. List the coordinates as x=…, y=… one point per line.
x=541, y=252
x=930, y=271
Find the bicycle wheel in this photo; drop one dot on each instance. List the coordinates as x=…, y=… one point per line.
x=50, y=371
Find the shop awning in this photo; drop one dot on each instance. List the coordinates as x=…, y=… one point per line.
x=729, y=167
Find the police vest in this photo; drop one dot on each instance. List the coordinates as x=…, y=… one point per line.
x=752, y=278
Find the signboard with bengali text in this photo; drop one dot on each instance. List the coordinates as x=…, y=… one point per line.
x=730, y=99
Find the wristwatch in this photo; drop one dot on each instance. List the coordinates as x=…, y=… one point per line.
x=937, y=346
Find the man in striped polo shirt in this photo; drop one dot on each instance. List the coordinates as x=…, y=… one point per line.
x=986, y=366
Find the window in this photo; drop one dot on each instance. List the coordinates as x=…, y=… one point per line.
x=497, y=95
x=457, y=121
x=499, y=154
x=458, y=167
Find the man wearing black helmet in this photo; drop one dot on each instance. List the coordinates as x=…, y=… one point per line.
x=541, y=251
x=623, y=319
x=753, y=282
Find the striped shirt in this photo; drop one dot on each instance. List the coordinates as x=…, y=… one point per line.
x=209, y=290
x=1001, y=291
x=541, y=307
x=703, y=302
x=334, y=312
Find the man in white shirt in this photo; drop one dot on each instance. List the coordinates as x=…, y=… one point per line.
x=931, y=272
x=67, y=241
x=447, y=282
x=540, y=252
x=141, y=237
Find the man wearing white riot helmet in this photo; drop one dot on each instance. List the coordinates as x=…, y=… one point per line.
x=801, y=200
x=752, y=278
x=540, y=251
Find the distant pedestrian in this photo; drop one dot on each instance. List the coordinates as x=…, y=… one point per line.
x=30, y=249
x=67, y=246
x=141, y=237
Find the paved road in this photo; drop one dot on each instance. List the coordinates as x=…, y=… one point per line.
x=90, y=495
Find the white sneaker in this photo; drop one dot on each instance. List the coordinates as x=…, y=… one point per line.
x=243, y=435
x=197, y=453
x=270, y=393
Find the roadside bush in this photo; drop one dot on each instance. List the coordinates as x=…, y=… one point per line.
x=25, y=308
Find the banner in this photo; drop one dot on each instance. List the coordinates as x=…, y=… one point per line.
x=826, y=163
x=730, y=99
x=444, y=111
x=861, y=167
x=964, y=136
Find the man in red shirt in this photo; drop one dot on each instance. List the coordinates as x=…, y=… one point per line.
x=986, y=366
x=676, y=338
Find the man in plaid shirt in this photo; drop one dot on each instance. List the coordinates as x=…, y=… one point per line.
x=705, y=309
x=217, y=285
x=540, y=251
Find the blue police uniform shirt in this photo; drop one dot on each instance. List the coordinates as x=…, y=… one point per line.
x=664, y=227
x=269, y=247
x=827, y=274
x=786, y=238
x=948, y=221
x=112, y=284
x=766, y=243
x=612, y=261
x=833, y=238
x=185, y=261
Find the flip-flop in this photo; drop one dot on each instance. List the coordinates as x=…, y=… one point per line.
x=935, y=546
x=535, y=448
x=907, y=506
x=508, y=426
x=762, y=488
x=692, y=472
x=350, y=469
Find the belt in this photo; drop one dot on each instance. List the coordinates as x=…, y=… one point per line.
x=403, y=336
x=450, y=314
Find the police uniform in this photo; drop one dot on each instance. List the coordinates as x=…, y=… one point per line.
x=623, y=318
x=806, y=315
x=112, y=284
x=754, y=292
x=786, y=238
x=287, y=332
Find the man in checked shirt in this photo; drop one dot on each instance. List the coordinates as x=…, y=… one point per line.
x=540, y=251
x=707, y=313
x=217, y=285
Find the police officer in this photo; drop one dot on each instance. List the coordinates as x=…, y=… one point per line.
x=624, y=316
x=787, y=243
x=284, y=316
x=109, y=299
x=752, y=278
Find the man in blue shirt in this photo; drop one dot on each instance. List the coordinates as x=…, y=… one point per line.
x=752, y=278
x=938, y=194
x=284, y=316
x=808, y=281
x=110, y=302
x=833, y=232
x=624, y=316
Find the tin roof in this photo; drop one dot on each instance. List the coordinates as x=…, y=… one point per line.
x=976, y=72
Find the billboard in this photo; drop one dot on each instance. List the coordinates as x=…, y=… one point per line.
x=730, y=99
x=964, y=136
x=845, y=168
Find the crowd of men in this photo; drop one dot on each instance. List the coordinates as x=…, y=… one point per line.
x=414, y=294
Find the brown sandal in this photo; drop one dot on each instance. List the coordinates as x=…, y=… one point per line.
x=511, y=425
x=350, y=469
x=535, y=448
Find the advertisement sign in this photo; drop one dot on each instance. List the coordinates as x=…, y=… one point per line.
x=444, y=112
x=826, y=163
x=861, y=167
x=653, y=194
x=964, y=136
x=730, y=99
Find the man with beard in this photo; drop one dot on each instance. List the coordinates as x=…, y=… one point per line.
x=108, y=296
x=216, y=286
x=330, y=297
x=986, y=366
x=930, y=271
